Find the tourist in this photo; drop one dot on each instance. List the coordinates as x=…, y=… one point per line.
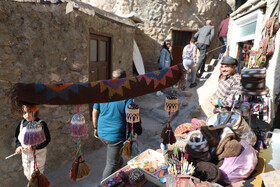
x=223, y=30
x=189, y=61
x=165, y=58
x=109, y=123
x=204, y=38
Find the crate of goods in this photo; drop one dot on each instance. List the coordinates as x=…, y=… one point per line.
x=149, y=162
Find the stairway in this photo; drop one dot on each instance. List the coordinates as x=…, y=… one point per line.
x=209, y=81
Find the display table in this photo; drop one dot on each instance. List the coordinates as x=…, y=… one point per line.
x=149, y=159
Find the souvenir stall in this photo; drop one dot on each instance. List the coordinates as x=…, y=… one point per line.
x=87, y=93
x=221, y=151
x=216, y=152
x=211, y=153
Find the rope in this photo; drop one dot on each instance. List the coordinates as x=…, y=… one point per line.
x=34, y=156
x=215, y=49
x=79, y=151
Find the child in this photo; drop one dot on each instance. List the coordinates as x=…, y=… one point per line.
x=189, y=60
x=30, y=113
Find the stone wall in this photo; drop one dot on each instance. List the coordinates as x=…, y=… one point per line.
x=161, y=17
x=41, y=44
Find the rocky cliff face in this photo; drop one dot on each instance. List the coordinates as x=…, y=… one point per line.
x=41, y=44
x=162, y=17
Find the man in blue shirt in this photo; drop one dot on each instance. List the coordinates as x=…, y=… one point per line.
x=109, y=123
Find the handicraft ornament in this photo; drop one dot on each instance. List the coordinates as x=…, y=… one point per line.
x=78, y=125
x=37, y=178
x=80, y=168
x=34, y=133
x=132, y=113
x=131, y=146
x=171, y=105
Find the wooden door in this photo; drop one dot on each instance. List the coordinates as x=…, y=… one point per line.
x=180, y=40
x=99, y=60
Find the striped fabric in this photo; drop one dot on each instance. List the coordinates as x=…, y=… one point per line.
x=228, y=86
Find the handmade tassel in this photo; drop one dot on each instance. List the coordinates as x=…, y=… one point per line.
x=74, y=169
x=38, y=180
x=134, y=147
x=132, y=113
x=166, y=138
x=127, y=148
x=83, y=169
x=162, y=135
x=34, y=133
x=78, y=125
x=169, y=137
x=172, y=136
x=171, y=103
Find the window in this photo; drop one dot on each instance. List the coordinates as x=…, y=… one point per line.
x=93, y=50
x=248, y=29
x=102, y=48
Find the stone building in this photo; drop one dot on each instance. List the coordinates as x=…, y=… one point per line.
x=56, y=43
x=174, y=19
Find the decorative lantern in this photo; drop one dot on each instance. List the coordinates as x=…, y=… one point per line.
x=34, y=133
x=171, y=103
x=78, y=125
x=132, y=113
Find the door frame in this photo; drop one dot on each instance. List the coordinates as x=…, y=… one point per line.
x=110, y=37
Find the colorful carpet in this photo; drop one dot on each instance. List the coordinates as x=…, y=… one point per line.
x=95, y=92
